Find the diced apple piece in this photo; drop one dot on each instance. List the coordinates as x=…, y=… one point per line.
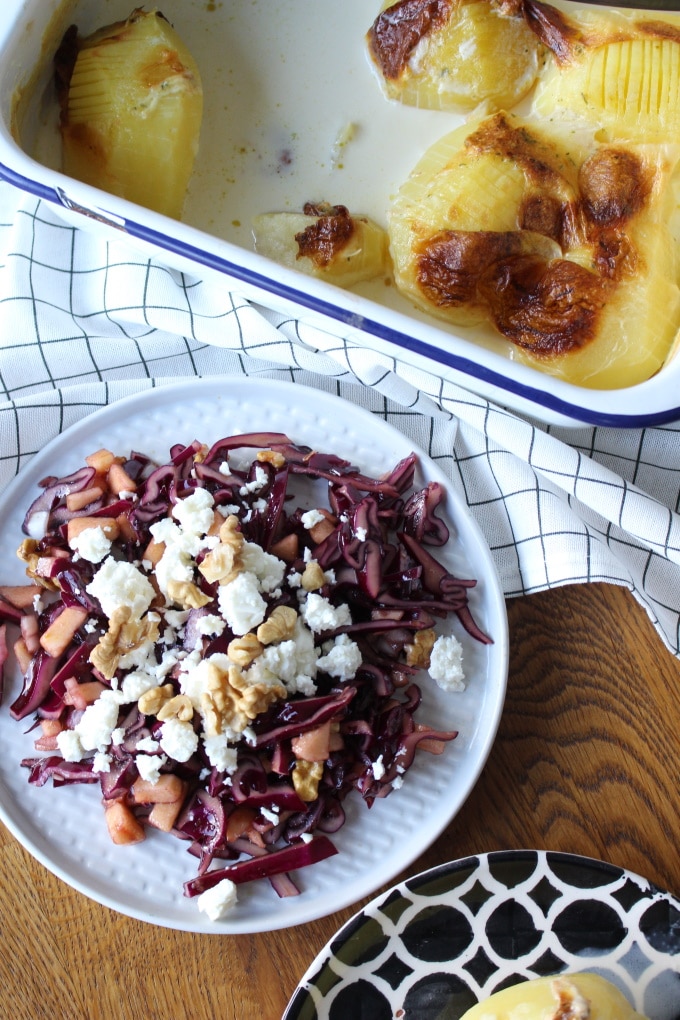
x=324, y=528
x=49, y=566
x=22, y=654
x=126, y=531
x=78, y=500
x=314, y=745
x=119, y=480
x=30, y=631
x=51, y=727
x=153, y=552
x=20, y=595
x=101, y=460
x=239, y=821
x=167, y=790
x=123, y=827
x=46, y=743
x=77, y=525
x=81, y=695
x=286, y=548
x=56, y=639
x=163, y=816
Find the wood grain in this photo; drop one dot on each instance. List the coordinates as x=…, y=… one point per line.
x=586, y=761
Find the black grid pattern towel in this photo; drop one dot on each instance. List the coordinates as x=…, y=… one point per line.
x=85, y=322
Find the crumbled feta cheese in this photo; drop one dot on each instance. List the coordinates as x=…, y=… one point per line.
x=37, y=604
x=220, y=755
x=68, y=742
x=259, y=481
x=147, y=744
x=219, y=900
x=270, y=814
x=165, y=531
x=98, y=722
x=194, y=681
x=149, y=766
x=320, y=615
x=37, y=524
x=137, y=683
x=378, y=768
x=295, y=579
x=361, y=534
x=446, y=663
x=195, y=513
x=177, y=562
x=137, y=657
x=178, y=739
x=241, y=604
x=92, y=544
x=118, y=736
x=176, y=617
x=101, y=762
x=169, y=660
x=210, y=625
x=312, y=517
x=268, y=569
x=304, y=685
x=117, y=584
x=343, y=658
x=292, y=662
x=249, y=736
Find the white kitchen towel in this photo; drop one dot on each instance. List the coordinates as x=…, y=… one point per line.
x=84, y=322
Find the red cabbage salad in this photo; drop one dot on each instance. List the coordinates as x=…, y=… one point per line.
x=225, y=664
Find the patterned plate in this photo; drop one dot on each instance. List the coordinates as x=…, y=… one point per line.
x=436, y=944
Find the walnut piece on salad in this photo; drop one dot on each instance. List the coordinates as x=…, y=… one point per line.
x=227, y=663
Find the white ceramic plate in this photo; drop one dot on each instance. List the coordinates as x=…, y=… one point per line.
x=273, y=115
x=440, y=942
x=65, y=828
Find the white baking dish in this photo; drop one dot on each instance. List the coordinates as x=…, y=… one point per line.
x=283, y=80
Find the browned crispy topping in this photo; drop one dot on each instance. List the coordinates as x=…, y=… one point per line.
x=451, y=263
x=396, y=32
x=547, y=307
x=659, y=30
x=613, y=185
x=553, y=29
x=516, y=144
x=324, y=240
x=543, y=214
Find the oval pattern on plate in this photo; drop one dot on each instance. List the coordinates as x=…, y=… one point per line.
x=440, y=942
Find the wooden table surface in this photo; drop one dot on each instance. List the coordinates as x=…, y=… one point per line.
x=586, y=761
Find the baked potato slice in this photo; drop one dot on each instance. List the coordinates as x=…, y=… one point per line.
x=562, y=245
x=444, y=54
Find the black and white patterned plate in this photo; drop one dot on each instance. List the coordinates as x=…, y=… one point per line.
x=436, y=944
